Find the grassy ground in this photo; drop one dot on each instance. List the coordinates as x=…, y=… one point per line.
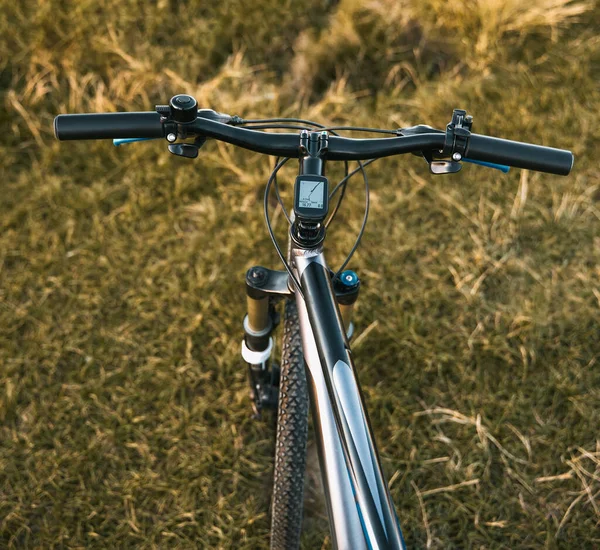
x=124, y=415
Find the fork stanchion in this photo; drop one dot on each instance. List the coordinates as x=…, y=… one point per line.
x=258, y=324
x=257, y=345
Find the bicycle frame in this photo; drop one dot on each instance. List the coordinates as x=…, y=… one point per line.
x=361, y=512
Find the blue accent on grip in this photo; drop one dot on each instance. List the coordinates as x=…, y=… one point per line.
x=501, y=167
x=121, y=141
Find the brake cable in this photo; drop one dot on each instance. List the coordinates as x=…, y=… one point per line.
x=264, y=124
x=270, y=228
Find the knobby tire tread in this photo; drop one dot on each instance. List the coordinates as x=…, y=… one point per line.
x=292, y=433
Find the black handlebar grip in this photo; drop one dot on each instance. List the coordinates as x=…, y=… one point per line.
x=520, y=155
x=108, y=126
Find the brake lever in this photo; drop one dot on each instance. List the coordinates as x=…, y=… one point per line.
x=123, y=141
x=187, y=150
x=451, y=166
x=436, y=166
x=502, y=167
x=444, y=165
x=441, y=166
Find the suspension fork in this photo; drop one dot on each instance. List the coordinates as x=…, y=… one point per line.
x=257, y=345
x=264, y=288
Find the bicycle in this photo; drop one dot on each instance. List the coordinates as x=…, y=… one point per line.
x=317, y=317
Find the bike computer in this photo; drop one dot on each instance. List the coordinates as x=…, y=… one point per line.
x=311, y=197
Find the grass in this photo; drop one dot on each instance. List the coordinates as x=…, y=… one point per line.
x=124, y=413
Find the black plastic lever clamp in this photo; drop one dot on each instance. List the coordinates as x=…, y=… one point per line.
x=181, y=111
x=179, y=114
x=458, y=132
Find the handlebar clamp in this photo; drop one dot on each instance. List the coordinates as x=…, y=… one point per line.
x=314, y=144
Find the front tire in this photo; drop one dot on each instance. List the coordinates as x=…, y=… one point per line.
x=292, y=433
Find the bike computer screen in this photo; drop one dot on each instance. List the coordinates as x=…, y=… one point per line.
x=311, y=197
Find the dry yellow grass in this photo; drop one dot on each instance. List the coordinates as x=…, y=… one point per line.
x=124, y=414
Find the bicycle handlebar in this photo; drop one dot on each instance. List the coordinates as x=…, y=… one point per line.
x=151, y=125
x=340, y=148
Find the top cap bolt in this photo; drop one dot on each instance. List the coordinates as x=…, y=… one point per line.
x=257, y=276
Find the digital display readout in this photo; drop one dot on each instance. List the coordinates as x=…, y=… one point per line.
x=311, y=194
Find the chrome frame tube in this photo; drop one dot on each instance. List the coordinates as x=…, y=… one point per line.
x=360, y=508
x=344, y=521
